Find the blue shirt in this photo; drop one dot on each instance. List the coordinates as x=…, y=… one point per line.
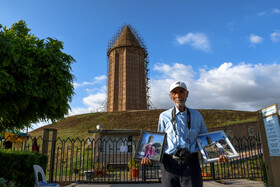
x=197, y=127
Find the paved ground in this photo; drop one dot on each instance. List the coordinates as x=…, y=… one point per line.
x=229, y=183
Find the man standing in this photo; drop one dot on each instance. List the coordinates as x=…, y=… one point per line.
x=220, y=147
x=180, y=165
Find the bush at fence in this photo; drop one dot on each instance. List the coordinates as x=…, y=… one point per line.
x=265, y=179
x=17, y=166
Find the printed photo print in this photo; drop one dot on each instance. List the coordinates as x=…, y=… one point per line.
x=214, y=144
x=150, y=145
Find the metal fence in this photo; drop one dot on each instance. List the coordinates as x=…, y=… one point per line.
x=104, y=161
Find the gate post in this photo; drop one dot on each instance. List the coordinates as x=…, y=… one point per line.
x=268, y=119
x=212, y=171
x=143, y=172
x=45, y=142
x=45, y=149
x=52, y=154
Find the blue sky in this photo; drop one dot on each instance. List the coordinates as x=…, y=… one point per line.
x=227, y=52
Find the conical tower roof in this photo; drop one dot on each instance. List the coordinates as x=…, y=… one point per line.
x=126, y=39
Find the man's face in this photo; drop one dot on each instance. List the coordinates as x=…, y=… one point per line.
x=179, y=96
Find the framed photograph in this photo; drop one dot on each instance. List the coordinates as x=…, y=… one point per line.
x=151, y=145
x=214, y=144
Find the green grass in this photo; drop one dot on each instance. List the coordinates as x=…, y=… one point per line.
x=79, y=125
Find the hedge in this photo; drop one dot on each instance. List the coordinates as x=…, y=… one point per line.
x=17, y=166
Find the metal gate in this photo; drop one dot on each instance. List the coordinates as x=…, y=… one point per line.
x=102, y=161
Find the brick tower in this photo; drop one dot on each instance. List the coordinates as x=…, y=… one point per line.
x=127, y=72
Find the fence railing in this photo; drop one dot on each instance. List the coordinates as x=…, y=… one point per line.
x=103, y=161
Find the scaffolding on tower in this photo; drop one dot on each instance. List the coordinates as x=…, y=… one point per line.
x=146, y=60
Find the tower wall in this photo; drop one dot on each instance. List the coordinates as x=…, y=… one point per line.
x=126, y=76
x=126, y=80
x=136, y=86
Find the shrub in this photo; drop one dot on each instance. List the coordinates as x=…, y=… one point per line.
x=265, y=180
x=19, y=166
x=2, y=182
x=134, y=164
x=98, y=165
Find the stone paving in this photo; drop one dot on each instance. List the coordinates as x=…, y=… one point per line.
x=227, y=183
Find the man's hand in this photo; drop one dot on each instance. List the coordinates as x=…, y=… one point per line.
x=223, y=159
x=146, y=161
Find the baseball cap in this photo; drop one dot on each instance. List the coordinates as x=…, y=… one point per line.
x=178, y=84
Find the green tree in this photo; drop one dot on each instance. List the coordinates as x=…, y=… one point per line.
x=35, y=78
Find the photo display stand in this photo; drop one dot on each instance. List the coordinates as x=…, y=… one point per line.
x=150, y=145
x=214, y=144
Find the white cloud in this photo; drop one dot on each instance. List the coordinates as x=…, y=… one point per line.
x=269, y=12
x=95, y=81
x=276, y=11
x=196, y=40
x=275, y=36
x=78, y=110
x=239, y=87
x=96, y=89
x=94, y=103
x=255, y=39
x=262, y=13
x=176, y=71
x=100, y=78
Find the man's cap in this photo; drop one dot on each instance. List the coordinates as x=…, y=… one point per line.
x=178, y=84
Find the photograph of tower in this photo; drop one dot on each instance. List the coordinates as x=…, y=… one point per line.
x=127, y=72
